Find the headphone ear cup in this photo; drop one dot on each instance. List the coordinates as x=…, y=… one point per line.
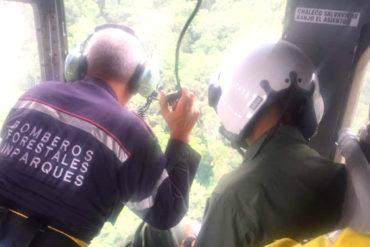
x=82, y=67
x=134, y=82
x=143, y=80
x=214, y=95
x=75, y=67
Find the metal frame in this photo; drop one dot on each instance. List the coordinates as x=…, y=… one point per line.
x=357, y=85
x=52, y=37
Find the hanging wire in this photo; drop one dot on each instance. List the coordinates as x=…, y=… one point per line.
x=175, y=96
x=183, y=31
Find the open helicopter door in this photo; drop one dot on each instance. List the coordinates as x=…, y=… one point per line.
x=335, y=34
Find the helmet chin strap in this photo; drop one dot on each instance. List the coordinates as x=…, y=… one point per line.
x=235, y=140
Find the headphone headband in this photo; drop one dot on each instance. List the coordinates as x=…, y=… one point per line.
x=117, y=26
x=106, y=26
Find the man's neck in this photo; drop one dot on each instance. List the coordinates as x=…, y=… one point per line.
x=121, y=91
x=120, y=88
x=266, y=122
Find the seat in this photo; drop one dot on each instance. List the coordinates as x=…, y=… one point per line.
x=356, y=212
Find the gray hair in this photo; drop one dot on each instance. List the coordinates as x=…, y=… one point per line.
x=113, y=54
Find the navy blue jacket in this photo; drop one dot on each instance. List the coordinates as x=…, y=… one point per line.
x=73, y=154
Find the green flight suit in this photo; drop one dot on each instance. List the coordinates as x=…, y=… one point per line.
x=283, y=189
x=147, y=236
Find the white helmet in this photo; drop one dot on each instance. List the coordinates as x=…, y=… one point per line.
x=248, y=80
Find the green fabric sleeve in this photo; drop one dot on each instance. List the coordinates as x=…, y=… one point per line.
x=223, y=225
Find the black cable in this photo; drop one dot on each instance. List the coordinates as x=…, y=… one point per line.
x=174, y=96
x=186, y=26
x=144, y=108
x=177, y=95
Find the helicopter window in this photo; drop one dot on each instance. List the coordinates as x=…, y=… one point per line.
x=363, y=105
x=218, y=26
x=19, y=62
x=359, y=103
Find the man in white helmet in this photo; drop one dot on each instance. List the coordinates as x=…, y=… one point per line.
x=268, y=98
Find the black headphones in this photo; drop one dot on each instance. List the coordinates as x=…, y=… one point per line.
x=75, y=66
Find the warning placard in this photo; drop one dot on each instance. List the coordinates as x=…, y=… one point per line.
x=327, y=16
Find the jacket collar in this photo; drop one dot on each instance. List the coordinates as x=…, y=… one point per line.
x=285, y=131
x=103, y=85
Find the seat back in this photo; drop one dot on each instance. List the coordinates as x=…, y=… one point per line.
x=356, y=212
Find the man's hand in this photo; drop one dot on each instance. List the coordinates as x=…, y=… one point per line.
x=182, y=119
x=190, y=238
x=364, y=135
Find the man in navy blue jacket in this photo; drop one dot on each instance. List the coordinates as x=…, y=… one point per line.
x=72, y=153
